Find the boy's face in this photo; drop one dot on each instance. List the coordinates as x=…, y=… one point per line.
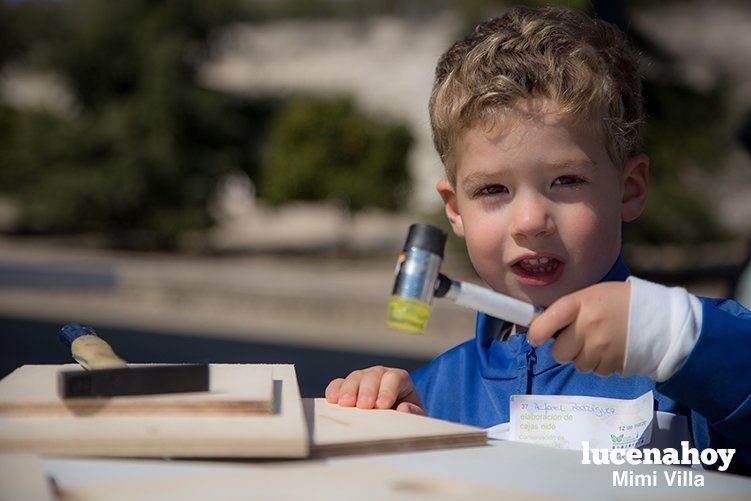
x=540, y=204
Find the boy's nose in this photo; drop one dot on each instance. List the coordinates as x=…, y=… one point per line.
x=531, y=218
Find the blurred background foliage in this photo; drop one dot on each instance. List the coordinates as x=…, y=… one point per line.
x=138, y=155
x=684, y=128
x=322, y=148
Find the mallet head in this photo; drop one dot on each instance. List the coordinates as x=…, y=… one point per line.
x=416, y=275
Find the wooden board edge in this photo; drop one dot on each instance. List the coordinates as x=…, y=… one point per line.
x=399, y=445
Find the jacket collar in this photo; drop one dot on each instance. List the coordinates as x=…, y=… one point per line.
x=507, y=359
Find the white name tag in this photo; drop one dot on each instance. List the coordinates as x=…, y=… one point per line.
x=564, y=421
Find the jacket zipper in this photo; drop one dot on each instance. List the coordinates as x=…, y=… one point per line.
x=531, y=359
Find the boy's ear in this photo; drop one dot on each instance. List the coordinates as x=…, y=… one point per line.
x=635, y=182
x=448, y=194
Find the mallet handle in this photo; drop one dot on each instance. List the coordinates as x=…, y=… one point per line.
x=491, y=302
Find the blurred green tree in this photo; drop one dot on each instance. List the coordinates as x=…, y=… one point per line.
x=140, y=155
x=324, y=148
x=139, y=158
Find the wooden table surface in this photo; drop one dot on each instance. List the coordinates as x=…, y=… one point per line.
x=514, y=469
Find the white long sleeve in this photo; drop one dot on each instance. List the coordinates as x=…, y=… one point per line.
x=663, y=326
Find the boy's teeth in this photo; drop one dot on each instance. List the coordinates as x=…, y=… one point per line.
x=538, y=265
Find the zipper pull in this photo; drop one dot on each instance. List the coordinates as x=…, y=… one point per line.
x=531, y=357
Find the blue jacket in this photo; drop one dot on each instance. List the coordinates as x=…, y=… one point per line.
x=472, y=382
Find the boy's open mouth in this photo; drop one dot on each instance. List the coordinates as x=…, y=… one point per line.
x=540, y=270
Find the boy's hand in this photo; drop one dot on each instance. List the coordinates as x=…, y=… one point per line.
x=382, y=387
x=593, y=324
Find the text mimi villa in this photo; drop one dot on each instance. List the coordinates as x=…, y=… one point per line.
x=676, y=478
x=688, y=478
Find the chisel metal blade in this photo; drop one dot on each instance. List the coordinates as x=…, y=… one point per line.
x=140, y=380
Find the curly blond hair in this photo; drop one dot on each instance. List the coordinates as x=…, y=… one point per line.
x=583, y=64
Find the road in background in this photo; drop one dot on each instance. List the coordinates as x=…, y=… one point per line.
x=326, y=315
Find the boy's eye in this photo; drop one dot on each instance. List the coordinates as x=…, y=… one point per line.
x=492, y=189
x=568, y=181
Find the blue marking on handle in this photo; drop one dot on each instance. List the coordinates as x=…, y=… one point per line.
x=71, y=332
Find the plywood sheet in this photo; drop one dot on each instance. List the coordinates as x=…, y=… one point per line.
x=282, y=433
x=22, y=477
x=240, y=389
x=337, y=431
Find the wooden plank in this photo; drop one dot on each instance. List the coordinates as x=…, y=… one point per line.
x=337, y=431
x=22, y=477
x=282, y=433
x=239, y=389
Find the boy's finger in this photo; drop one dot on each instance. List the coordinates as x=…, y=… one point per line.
x=348, y=390
x=560, y=314
x=609, y=364
x=603, y=368
x=368, y=390
x=587, y=359
x=332, y=390
x=568, y=345
x=410, y=408
x=396, y=385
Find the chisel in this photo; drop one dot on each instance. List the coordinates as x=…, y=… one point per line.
x=107, y=375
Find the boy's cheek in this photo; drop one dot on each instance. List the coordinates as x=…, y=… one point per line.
x=491, y=269
x=594, y=246
x=485, y=253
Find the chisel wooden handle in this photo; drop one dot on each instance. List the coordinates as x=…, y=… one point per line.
x=89, y=350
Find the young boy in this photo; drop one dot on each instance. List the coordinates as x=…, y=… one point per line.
x=537, y=118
